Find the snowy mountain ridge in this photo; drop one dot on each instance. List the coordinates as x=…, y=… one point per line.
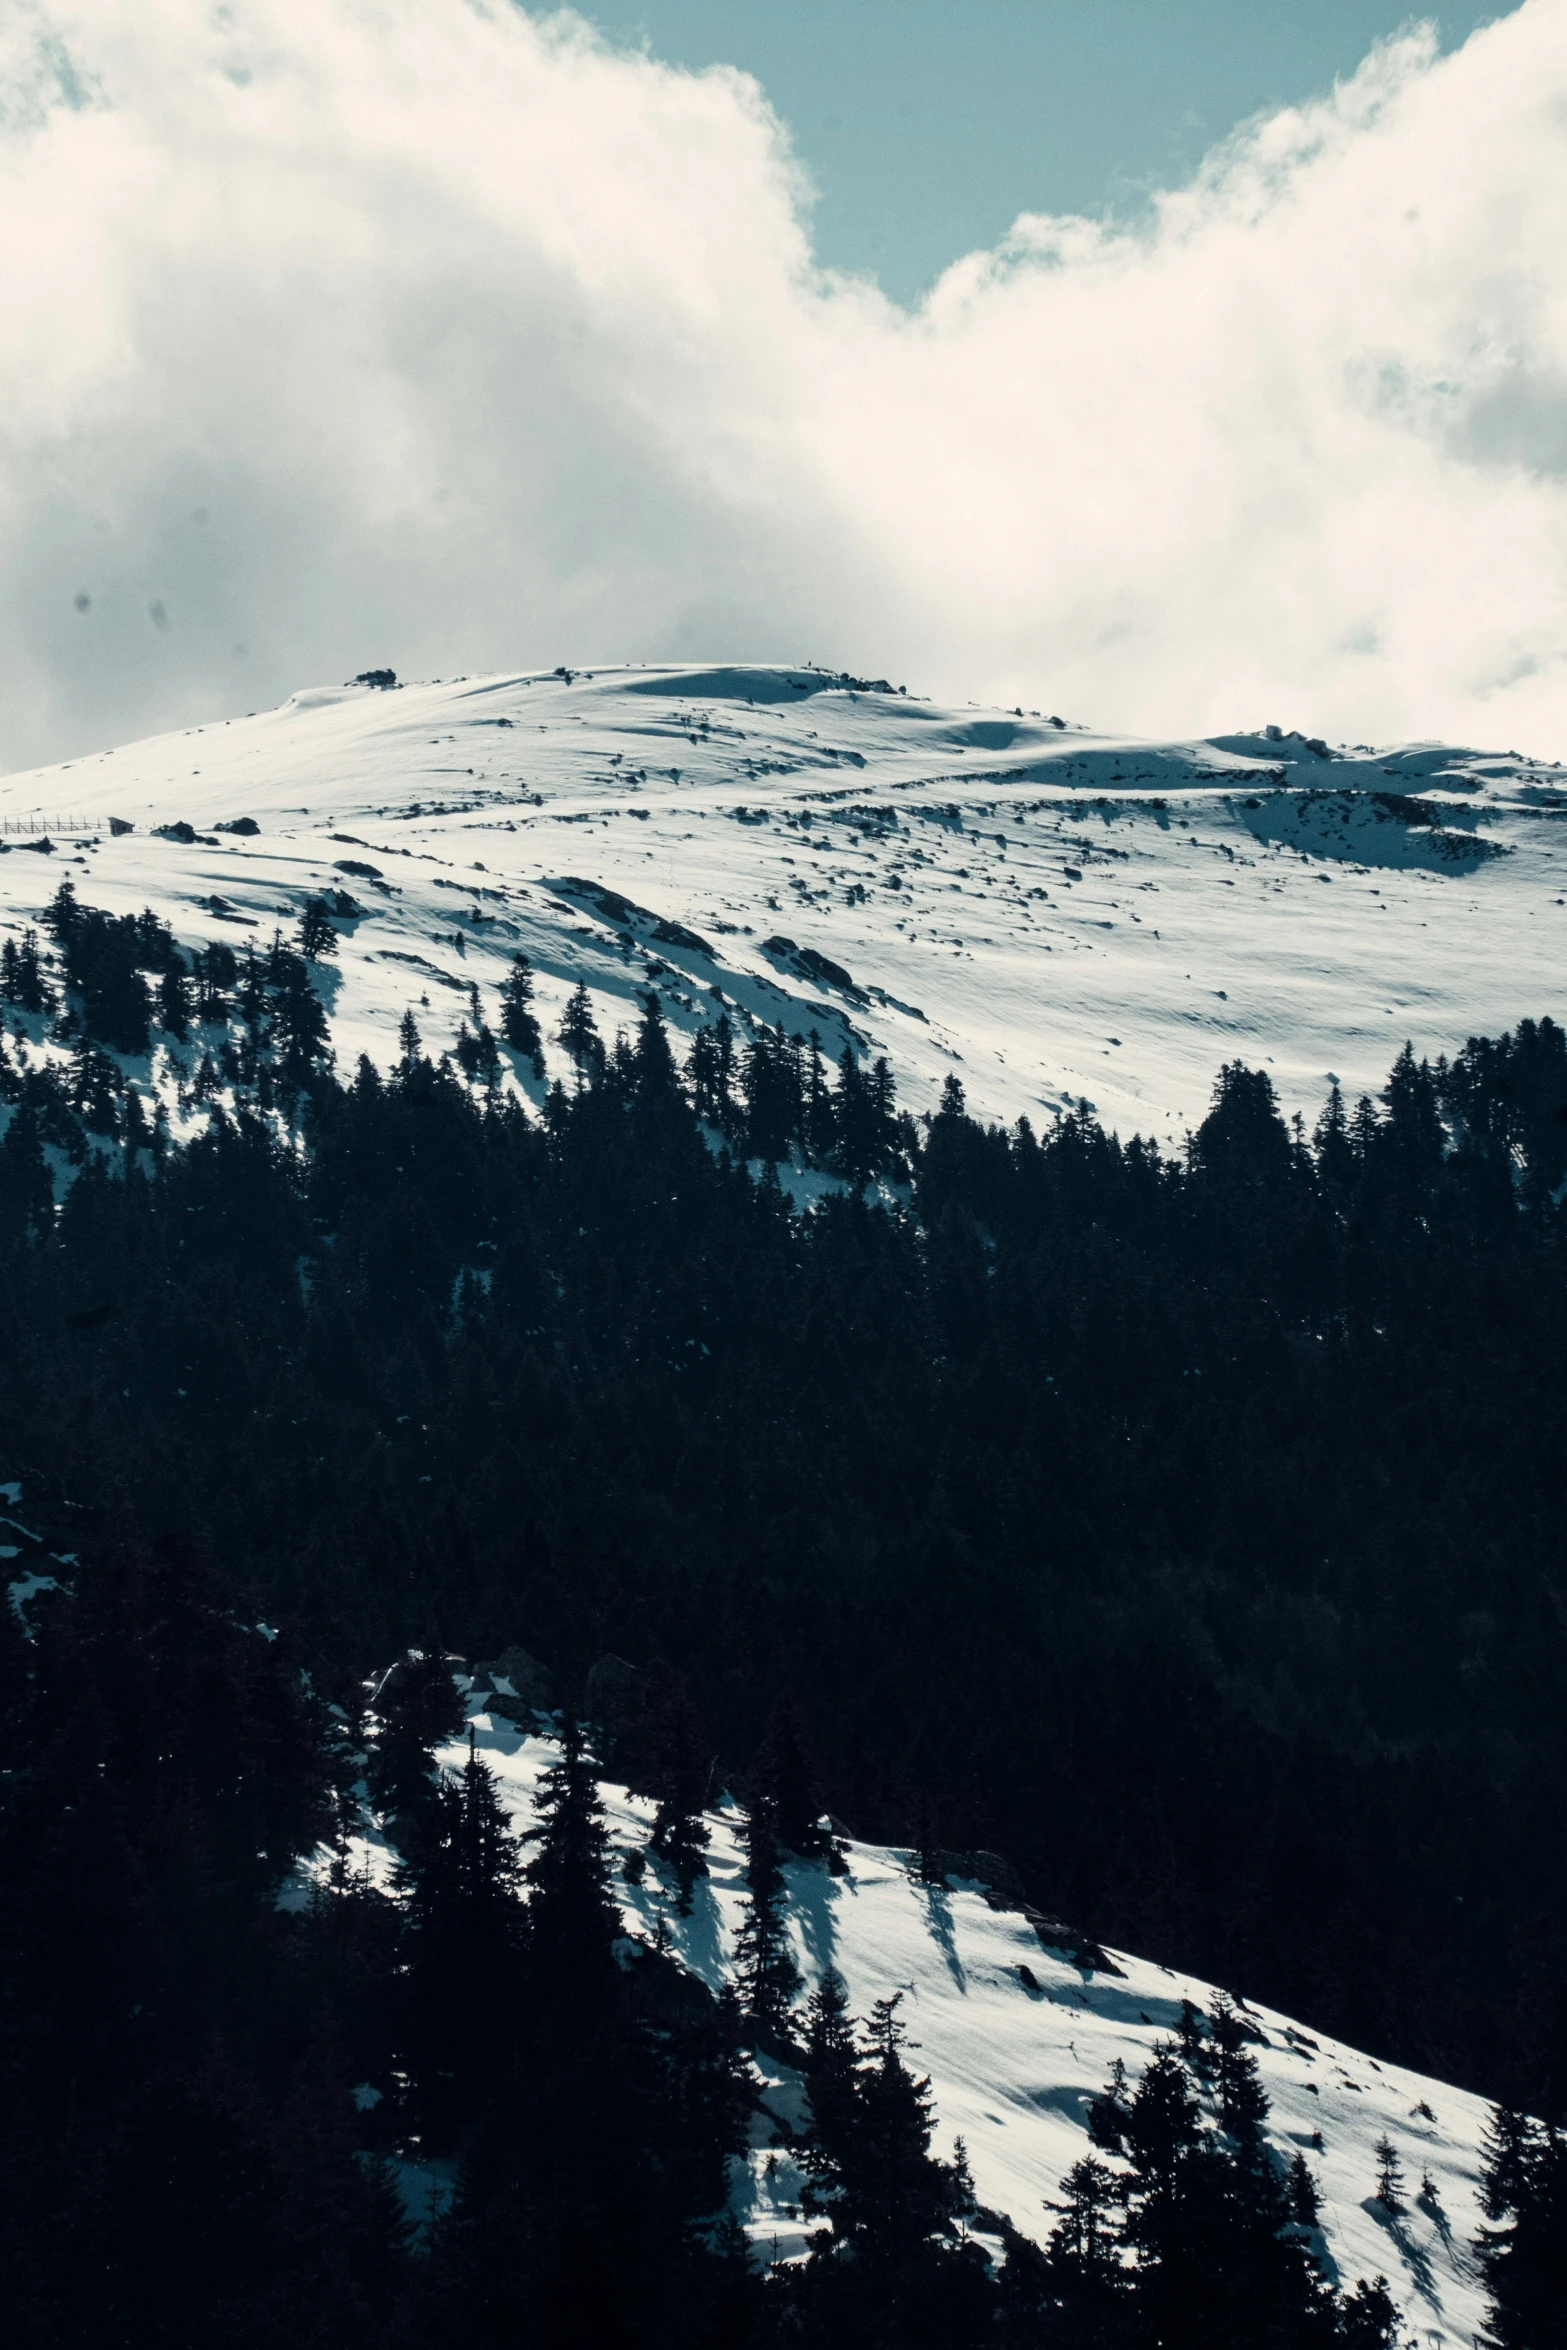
x=1055, y=915
x=1016, y=2033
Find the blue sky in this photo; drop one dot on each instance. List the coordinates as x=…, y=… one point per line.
x=929, y=125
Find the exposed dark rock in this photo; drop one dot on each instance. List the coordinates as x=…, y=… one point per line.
x=528, y=1686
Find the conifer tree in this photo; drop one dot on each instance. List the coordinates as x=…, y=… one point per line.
x=1191, y=2035
x=477, y=1056
x=1368, y=2318
x=175, y=1007
x=1334, y=1148
x=216, y=972
x=816, y=1108
x=21, y=974
x=1305, y=2202
x=579, y=1034
x=1086, y=2235
x=771, y=1085
x=710, y=1067
x=302, y=1033
x=519, y=1021
x=315, y=936
x=854, y=1122
x=465, y=1919
x=764, y=1969
x=1390, y=2176
x=1243, y=2106
x=895, y=2198
x=1413, y=1128
x=656, y=1079
x=832, y=2081
x=419, y=1707
x=573, y=1920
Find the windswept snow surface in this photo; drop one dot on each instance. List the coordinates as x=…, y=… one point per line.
x=1052, y=914
x=1012, y=2068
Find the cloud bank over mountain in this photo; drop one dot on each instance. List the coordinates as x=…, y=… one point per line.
x=340, y=331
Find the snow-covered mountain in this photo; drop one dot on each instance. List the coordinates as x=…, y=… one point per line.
x=1053, y=914
x=1017, y=2033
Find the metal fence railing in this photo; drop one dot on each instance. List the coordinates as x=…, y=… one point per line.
x=21, y=827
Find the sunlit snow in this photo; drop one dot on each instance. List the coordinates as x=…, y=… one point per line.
x=1052, y=914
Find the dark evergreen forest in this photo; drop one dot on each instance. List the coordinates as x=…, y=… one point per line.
x=1189, y=1531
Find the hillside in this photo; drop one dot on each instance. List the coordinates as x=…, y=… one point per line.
x=1057, y=915
x=1017, y=2033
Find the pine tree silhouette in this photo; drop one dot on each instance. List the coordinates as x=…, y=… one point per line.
x=579, y=1033
x=1390, y=2176
x=573, y=1921
x=315, y=936
x=764, y=1969
x=519, y=1021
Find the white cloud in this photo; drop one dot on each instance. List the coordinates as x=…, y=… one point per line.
x=351, y=331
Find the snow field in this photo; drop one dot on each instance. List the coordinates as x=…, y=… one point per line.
x=1054, y=916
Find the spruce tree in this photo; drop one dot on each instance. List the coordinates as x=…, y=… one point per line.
x=1243, y=2106
x=1192, y=2038
x=519, y=1021
x=1390, y=2176
x=895, y=2199
x=771, y=1085
x=315, y=936
x=1086, y=2235
x=175, y=1005
x=418, y=1708
x=1305, y=2202
x=21, y=974
x=579, y=1034
x=1335, y=1150
x=573, y=1920
x=764, y=1969
x=710, y=1069
x=465, y=1922
x=816, y=1108
x=1368, y=2318
x=656, y=1078
x=832, y=2082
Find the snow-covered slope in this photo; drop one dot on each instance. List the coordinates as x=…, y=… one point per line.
x=1055, y=915
x=1013, y=2062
